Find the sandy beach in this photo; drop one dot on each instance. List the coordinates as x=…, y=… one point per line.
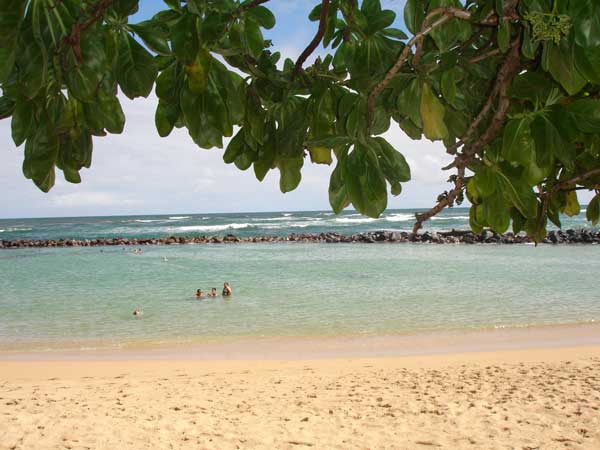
x=515, y=399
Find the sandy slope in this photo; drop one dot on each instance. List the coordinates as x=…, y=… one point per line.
x=533, y=399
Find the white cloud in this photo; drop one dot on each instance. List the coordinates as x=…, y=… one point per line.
x=79, y=199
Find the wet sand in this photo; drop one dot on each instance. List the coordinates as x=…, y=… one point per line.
x=544, y=398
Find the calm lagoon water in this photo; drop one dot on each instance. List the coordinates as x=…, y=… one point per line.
x=84, y=297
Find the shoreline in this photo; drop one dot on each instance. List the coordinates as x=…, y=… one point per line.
x=570, y=236
x=325, y=347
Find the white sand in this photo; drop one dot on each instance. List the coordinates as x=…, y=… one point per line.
x=517, y=399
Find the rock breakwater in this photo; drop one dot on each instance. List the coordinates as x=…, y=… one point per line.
x=370, y=237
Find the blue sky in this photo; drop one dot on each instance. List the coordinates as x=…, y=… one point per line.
x=140, y=173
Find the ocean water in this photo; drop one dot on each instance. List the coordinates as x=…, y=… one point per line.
x=83, y=298
x=243, y=224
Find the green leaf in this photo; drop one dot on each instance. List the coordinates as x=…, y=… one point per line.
x=409, y=101
x=136, y=71
x=485, y=181
x=22, y=122
x=517, y=144
x=504, y=35
x=7, y=107
x=11, y=16
x=166, y=116
x=338, y=197
x=497, y=214
x=364, y=180
x=561, y=64
x=290, y=173
x=586, y=115
x=392, y=162
x=41, y=153
x=263, y=16
x=592, y=212
x=198, y=71
x=152, y=37
x=448, y=84
x=519, y=194
x=432, y=115
x=320, y=155
x=571, y=207
x=254, y=38
x=105, y=113
x=184, y=38
x=586, y=21
x=414, y=15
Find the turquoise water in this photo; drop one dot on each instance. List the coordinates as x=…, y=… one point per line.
x=84, y=297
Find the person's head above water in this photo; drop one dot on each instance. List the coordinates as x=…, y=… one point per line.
x=214, y=291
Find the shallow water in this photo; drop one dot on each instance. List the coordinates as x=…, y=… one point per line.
x=84, y=297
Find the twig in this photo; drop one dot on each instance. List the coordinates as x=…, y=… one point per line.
x=448, y=13
x=546, y=196
x=446, y=201
x=483, y=56
x=316, y=40
x=74, y=37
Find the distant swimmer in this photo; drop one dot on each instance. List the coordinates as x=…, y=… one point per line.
x=213, y=292
x=137, y=312
x=227, y=291
x=200, y=294
x=165, y=259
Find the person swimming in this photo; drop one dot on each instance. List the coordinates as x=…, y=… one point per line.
x=227, y=291
x=137, y=312
x=213, y=292
x=200, y=294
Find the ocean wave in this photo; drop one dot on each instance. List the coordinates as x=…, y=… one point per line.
x=178, y=217
x=450, y=218
x=145, y=220
x=281, y=226
x=358, y=220
x=207, y=228
x=400, y=217
x=15, y=230
x=288, y=214
x=270, y=219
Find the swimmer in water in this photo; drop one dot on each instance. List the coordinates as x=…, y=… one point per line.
x=200, y=294
x=213, y=292
x=137, y=312
x=227, y=291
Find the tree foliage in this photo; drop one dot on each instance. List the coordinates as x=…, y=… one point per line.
x=511, y=88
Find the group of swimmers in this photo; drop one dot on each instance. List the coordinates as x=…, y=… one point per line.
x=227, y=291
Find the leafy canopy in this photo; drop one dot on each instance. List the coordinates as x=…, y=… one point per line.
x=510, y=87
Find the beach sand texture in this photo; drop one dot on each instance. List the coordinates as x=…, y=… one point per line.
x=527, y=399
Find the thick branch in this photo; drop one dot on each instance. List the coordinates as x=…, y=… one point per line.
x=316, y=40
x=504, y=79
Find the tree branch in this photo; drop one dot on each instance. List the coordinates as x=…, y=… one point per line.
x=73, y=39
x=447, y=14
x=504, y=78
x=316, y=40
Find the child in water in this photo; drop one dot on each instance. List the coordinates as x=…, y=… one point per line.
x=213, y=292
x=200, y=294
x=227, y=291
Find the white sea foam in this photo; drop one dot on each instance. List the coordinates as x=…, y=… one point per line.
x=1, y=231
x=271, y=219
x=208, y=228
x=400, y=217
x=450, y=218
x=287, y=214
x=147, y=220
x=178, y=217
x=357, y=220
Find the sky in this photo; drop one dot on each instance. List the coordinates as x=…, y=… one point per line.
x=138, y=172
